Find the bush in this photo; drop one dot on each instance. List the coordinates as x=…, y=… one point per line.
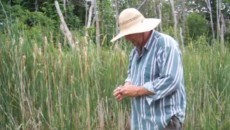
x=197, y=25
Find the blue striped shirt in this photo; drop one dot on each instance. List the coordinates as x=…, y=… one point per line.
x=158, y=69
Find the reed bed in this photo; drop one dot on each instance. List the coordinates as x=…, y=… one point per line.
x=46, y=86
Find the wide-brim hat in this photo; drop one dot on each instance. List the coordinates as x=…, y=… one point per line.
x=131, y=21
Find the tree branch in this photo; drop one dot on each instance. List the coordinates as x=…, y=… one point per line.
x=141, y=4
x=64, y=27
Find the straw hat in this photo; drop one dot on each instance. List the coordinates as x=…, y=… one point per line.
x=132, y=21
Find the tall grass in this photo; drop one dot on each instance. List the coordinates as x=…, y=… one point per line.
x=207, y=72
x=45, y=86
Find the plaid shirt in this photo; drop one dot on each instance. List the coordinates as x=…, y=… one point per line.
x=158, y=69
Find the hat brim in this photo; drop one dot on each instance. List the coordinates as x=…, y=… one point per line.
x=146, y=25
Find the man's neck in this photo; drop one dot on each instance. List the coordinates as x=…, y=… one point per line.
x=146, y=36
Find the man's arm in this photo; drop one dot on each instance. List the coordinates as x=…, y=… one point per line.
x=129, y=90
x=170, y=72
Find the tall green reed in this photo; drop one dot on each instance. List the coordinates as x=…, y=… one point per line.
x=207, y=72
x=45, y=85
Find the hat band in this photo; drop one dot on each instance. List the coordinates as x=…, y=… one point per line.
x=130, y=20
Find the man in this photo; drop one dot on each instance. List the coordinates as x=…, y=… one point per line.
x=155, y=81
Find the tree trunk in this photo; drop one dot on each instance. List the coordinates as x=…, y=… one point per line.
x=222, y=29
x=174, y=18
x=183, y=25
x=87, y=22
x=86, y=13
x=155, y=8
x=90, y=13
x=64, y=4
x=159, y=7
x=97, y=24
x=64, y=27
x=218, y=13
x=211, y=19
x=36, y=5
x=141, y=5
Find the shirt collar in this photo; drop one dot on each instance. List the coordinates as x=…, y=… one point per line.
x=147, y=46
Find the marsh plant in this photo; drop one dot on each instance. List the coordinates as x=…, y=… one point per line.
x=44, y=85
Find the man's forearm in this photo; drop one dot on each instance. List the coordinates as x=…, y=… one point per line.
x=141, y=91
x=131, y=90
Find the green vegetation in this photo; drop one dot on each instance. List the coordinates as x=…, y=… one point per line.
x=197, y=25
x=207, y=86
x=44, y=85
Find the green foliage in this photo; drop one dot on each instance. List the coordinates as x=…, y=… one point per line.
x=49, y=10
x=196, y=25
x=72, y=20
x=28, y=19
x=44, y=85
x=38, y=18
x=79, y=11
x=169, y=30
x=201, y=42
x=167, y=19
x=207, y=87
x=108, y=20
x=57, y=89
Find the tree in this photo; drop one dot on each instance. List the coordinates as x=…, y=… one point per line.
x=197, y=25
x=174, y=18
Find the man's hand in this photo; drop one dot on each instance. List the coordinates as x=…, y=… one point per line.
x=117, y=93
x=129, y=90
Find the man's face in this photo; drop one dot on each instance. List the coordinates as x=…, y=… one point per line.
x=136, y=39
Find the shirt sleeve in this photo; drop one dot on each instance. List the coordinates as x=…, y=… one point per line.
x=170, y=72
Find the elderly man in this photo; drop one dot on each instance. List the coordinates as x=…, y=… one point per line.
x=155, y=81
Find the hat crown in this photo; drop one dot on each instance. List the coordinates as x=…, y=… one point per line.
x=129, y=17
x=131, y=21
